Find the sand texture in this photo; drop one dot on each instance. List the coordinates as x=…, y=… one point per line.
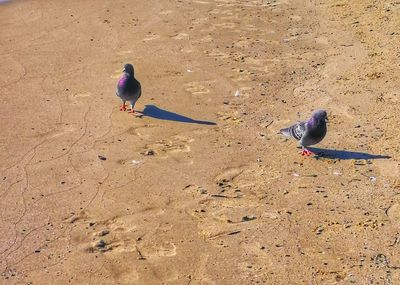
x=198, y=187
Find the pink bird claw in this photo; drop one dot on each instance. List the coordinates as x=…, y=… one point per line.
x=306, y=152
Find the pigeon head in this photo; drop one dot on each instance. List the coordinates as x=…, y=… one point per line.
x=128, y=68
x=319, y=117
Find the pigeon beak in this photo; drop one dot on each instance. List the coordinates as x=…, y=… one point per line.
x=123, y=70
x=327, y=119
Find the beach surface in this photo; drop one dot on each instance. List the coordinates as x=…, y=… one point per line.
x=198, y=187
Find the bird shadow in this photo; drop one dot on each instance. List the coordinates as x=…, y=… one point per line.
x=158, y=113
x=344, y=154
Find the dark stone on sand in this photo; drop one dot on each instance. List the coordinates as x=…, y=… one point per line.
x=149, y=152
x=101, y=244
x=104, y=232
x=248, y=218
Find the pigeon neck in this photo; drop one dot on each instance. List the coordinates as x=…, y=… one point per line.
x=129, y=74
x=311, y=122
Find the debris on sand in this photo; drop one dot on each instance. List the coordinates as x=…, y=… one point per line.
x=104, y=232
x=101, y=246
x=248, y=218
x=149, y=152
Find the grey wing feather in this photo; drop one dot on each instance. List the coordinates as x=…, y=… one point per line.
x=295, y=131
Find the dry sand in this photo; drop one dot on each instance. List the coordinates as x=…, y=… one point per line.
x=223, y=199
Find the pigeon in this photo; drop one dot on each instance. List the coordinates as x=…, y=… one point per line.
x=128, y=88
x=308, y=132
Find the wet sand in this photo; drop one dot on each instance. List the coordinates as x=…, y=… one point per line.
x=199, y=188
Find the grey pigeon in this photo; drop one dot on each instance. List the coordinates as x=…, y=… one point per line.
x=308, y=132
x=128, y=88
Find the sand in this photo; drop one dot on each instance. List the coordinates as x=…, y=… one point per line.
x=198, y=187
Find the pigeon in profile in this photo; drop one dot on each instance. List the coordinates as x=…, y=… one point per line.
x=308, y=132
x=128, y=88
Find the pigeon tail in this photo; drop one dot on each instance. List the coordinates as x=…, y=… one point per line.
x=285, y=132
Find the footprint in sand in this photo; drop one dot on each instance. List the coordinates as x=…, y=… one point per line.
x=257, y=64
x=393, y=212
x=206, y=39
x=225, y=25
x=176, y=144
x=230, y=117
x=79, y=98
x=228, y=175
x=306, y=92
x=124, y=52
x=121, y=235
x=142, y=131
x=217, y=54
x=195, y=189
x=201, y=2
x=241, y=75
x=179, y=36
x=342, y=109
x=196, y=88
x=151, y=37
x=234, y=205
x=322, y=40
x=239, y=181
x=165, y=249
x=296, y=18
x=199, y=21
x=118, y=234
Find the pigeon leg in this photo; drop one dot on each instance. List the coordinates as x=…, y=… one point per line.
x=132, y=111
x=306, y=152
x=123, y=106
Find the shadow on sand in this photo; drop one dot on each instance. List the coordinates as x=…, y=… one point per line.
x=344, y=154
x=157, y=113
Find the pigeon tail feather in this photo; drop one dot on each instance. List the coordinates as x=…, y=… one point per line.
x=285, y=132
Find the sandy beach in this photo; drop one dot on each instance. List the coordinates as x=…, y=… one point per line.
x=198, y=187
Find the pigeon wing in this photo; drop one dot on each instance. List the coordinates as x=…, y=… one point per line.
x=295, y=131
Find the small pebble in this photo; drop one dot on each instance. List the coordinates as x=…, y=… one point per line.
x=104, y=232
x=248, y=218
x=101, y=244
x=202, y=190
x=149, y=152
x=102, y=157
